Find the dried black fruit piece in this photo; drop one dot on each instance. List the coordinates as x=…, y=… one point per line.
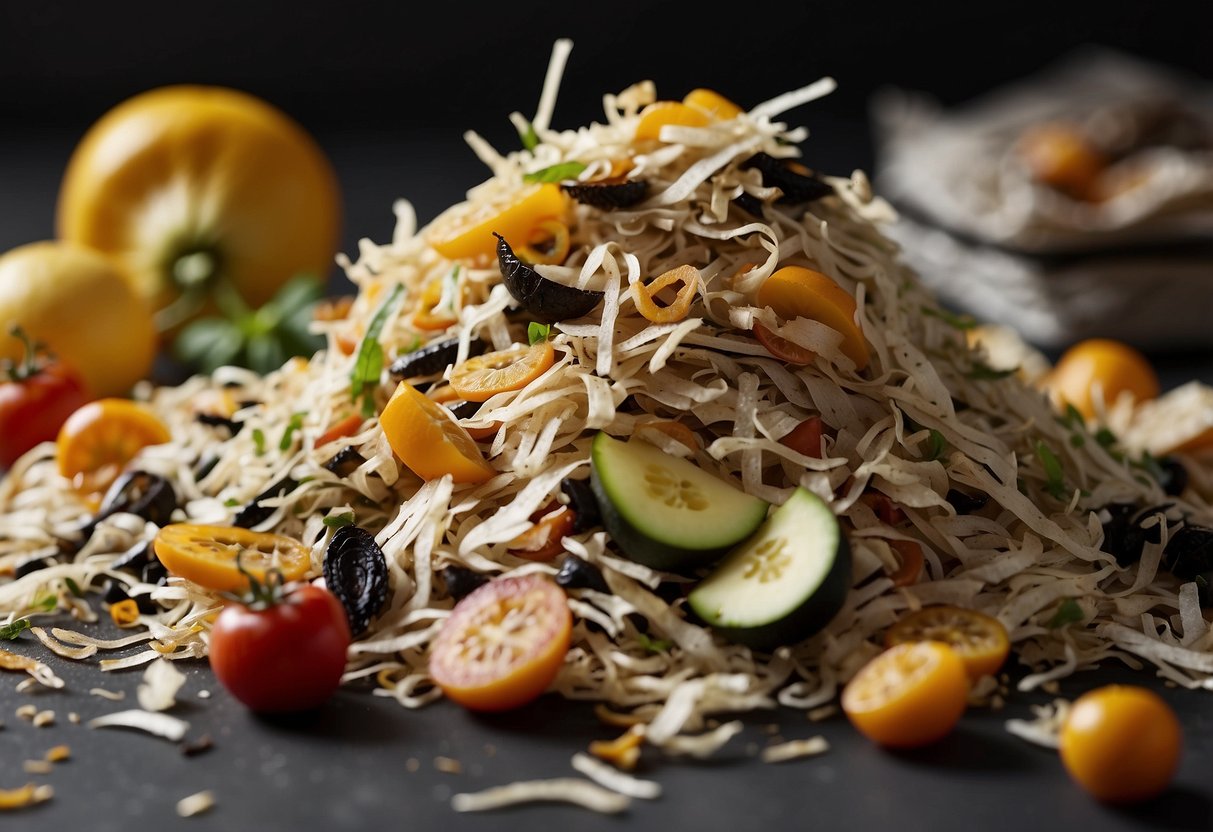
x=576, y=573
x=586, y=514
x=141, y=493
x=797, y=186
x=345, y=462
x=134, y=558
x=751, y=204
x=214, y=420
x=255, y=513
x=965, y=503
x=155, y=573
x=115, y=593
x=1172, y=476
x=609, y=194
x=432, y=358
x=355, y=570
x=1189, y=552
x=461, y=581
x=546, y=301
x=464, y=410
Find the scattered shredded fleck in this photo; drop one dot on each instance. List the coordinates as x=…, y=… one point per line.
x=26, y=795
x=44, y=718
x=27, y=711
x=623, y=751
x=823, y=713
x=158, y=690
x=58, y=753
x=794, y=749
x=111, y=695
x=159, y=724
x=584, y=793
x=412, y=765
x=73, y=718
x=198, y=746
x=37, y=767
x=196, y=804
x=447, y=765
x=1043, y=730
x=614, y=779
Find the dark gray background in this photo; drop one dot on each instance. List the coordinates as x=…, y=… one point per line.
x=388, y=92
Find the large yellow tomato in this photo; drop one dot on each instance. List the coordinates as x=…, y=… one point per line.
x=188, y=185
x=81, y=305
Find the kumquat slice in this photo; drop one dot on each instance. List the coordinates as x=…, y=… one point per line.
x=98, y=440
x=207, y=555
x=980, y=640
x=426, y=438
x=677, y=309
x=480, y=378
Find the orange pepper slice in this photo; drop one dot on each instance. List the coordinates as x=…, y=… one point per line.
x=910, y=569
x=646, y=295
x=712, y=103
x=548, y=243
x=125, y=612
x=544, y=540
x=465, y=230
x=782, y=348
x=797, y=292
x=660, y=113
x=427, y=439
x=480, y=378
x=99, y=439
x=340, y=430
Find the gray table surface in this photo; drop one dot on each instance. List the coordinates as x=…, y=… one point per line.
x=365, y=762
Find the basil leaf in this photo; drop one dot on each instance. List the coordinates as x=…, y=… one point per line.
x=46, y=603
x=259, y=441
x=529, y=138
x=555, y=173
x=288, y=435
x=208, y=344
x=962, y=322
x=536, y=332
x=1055, y=483
x=73, y=587
x=936, y=445
x=337, y=521
x=1068, y=612
x=653, y=645
x=369, y=363
x=9, y=632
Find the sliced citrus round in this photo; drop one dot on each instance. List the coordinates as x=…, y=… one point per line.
x=483, y=376
x=979, y=639
x=207, y=555
x=798, y=292
x=503, y=644
x=911, y=695
x=465, y=230
x=98, y=440
x=426, y=438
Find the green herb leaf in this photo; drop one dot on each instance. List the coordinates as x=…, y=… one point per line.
x=936, y=445
x=1105, y=438
x=288, y=435
x=208, y=344
x=232, y=502
x=73, y=587
x=963, y=322
x=1055, y=482
x=1073, y=418
x=556, y=173
x=9, y=632
x=336, y=521
x=536, y=332
x=46, y=603
x=654, y=645
x=984, y=372
x=1068, y=612
x=259, y=441
x=530, y=139
x=369, y=363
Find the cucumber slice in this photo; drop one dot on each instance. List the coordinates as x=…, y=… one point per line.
x=783, y=584
x=667, y=512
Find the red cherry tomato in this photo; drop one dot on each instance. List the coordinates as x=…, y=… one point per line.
x=36, y=397
x=286, y=656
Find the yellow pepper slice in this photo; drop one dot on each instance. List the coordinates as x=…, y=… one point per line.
x=427, y=439
x=797, y=292
x=660, y=113
x=712, y=103
x=646, y=302
x=465, y=230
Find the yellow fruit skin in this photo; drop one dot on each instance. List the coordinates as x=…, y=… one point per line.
x=190, y=167
x=83, y=307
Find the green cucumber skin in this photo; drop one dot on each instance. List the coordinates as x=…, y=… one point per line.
x=813, y=614
x=641, y=548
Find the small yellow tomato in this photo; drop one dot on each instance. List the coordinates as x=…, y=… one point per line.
x=980, y=640
x=190, y=184
x=1121, y=743
x=911, y=695
x=1112, y=367
x=83, y=308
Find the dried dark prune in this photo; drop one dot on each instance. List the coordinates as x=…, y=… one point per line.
x=214, y=420
x=584, y=504
x=30, y=565
x=546, y=301
x=1172, y=476
x=751, y=204
x=1189, y=552
x=464, y=410
x=135, y=558
x=255, y=513
x=355, y=570
x=576, y=573
x=461, y=581
x=609, y=194
x=432, y=358
x=965, y=503
x=798, y=186
x=141, y=493
x=345, y=462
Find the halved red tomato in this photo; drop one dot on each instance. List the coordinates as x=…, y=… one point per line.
x=503, y=644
